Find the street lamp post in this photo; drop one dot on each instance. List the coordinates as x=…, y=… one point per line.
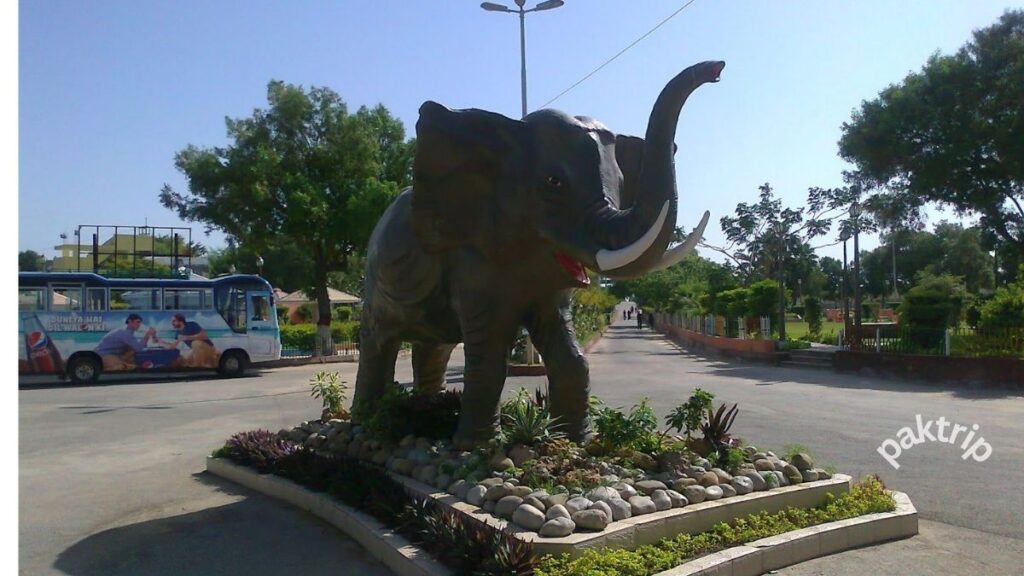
x=548, y=5
x=845, y=288
x=855, y=211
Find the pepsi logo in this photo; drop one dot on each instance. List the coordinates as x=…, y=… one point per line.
x=37, y=340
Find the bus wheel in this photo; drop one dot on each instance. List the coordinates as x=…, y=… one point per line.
x=83, y=369
x=232, y=364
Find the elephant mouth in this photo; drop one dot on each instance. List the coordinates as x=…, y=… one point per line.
x=575, y=269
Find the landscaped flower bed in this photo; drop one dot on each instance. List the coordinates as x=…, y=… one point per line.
x=534, y=478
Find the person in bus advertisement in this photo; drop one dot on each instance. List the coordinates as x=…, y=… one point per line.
x=201, y=353
x=120, y=350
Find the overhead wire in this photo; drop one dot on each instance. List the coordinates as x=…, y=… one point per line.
x=621, y=52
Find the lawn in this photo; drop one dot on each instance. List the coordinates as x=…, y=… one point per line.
x=795, y=330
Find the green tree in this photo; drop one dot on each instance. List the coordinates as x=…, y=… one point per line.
x=832, y=270
x=951, y=134
x=30, y=261
x=303, y=171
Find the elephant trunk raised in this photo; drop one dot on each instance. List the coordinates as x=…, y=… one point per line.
x=638, y=236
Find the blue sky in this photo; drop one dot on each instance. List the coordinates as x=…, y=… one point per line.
x=109, y=91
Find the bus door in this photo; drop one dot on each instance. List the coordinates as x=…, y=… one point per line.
x=263, y=337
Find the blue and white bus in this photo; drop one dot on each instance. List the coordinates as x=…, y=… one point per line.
x=79, y=325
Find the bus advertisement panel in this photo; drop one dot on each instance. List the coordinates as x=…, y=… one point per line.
x=137, y=340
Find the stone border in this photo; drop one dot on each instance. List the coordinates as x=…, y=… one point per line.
x=391, y=549
x=752, y=559
x=775, y=552
x=650, y=528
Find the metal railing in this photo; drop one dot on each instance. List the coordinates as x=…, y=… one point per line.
x=340, y=349
x=963, y=341
x=749, y=328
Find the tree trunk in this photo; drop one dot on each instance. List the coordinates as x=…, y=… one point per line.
x=324, y=345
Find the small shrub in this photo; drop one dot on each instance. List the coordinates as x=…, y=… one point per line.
x=715, y=430
x=282, y=314
x=687, y=417
x=812, y=314
x=261, y=449
x=399, y=412
x=524, y=421
x=617, y=431
x=330, y=389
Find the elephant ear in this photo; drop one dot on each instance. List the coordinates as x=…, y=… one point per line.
x=466, y=160
x=629, y=154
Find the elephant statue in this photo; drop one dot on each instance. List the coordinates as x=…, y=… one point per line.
x=502, y=220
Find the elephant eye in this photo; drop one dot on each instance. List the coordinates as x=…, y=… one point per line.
x=554, y=182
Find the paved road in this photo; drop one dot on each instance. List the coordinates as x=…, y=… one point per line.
x=111, y=482
x=111, y=476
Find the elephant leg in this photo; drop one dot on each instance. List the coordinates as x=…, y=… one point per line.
x=487, y=342
x=377, y=358
x=550, y=327
x=429, y=362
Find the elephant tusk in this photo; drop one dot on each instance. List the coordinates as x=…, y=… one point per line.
x=612, y=259
x=676, y=254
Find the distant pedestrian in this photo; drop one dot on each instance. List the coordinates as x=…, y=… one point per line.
x=639, y=319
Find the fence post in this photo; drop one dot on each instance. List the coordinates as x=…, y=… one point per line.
x=946, y=347
x=878, y=339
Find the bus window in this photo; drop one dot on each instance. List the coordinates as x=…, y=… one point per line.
x=207, y=298
x=65, y=298
x=237, y=314
x=183, y=299
x=260, y=308
x=96, y=300
x=135, y=299
x=31, y=299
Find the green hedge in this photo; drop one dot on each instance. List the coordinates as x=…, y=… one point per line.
x=303, y=336
x=867, y=497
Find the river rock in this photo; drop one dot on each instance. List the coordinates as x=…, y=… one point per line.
x=764, y=465
x=780, y=465
x=495, y=493
x=557, y=511
x=488, y=482
x=602, y=493
x=678, y=500
x=592, y=519
x=555, y=500
x=823, y=474
x=661, y=500
x=642, y=505
x=520, y=454
x=681, y=483
x=475, y=495
x=708, y=479
x=602, y=506
x=695, y=494
x=743, y=485
x=577, y=504
x=535, y=502
x=502, y=465
x=723, y=476
x=802, y=461
x=756, y=481
x=792, y=474
x=528, y=517
x=557, y=528
x=809, y=475
x=626, y=491
x=727, y=490
x=713, y=492
x=427, y=474
x=647, y=487
x=489, y=506
x=620, y=509
x=781, y=478
x=522, y=491
x=506, y=506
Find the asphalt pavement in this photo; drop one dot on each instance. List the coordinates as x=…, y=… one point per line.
x=111, y=476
